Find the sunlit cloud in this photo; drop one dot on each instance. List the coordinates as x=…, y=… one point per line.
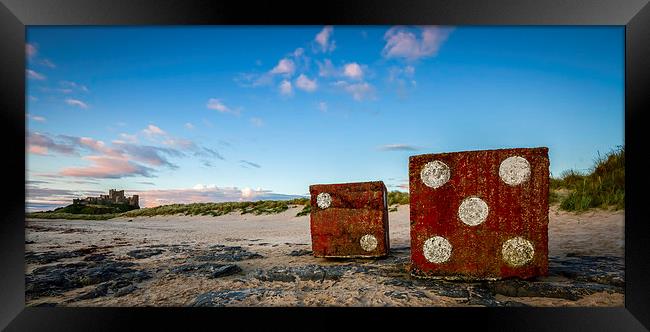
x=324, y=40
x=305, y=84
x=402, y=42
x=205, y=193
x=353, y=70
x=219, y=106
x=286, y=88
x=358, y=91
x=284, y=67
x=107, y=167
x=153, y=130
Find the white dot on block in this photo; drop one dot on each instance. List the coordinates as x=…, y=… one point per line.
x=514, y=170
x=437, y=249
x=517, y=251
x=368, y=242
x=323, y=200
x=473, y=211
x=435, y=173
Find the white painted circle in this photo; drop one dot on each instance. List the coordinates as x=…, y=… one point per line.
x=368, y=242
x=323, y=200
x=437, y=249
x=473, y=211
x=435, y=173
x=514, y=170
x=517, y=251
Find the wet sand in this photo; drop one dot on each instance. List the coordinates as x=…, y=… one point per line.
x=204, y=260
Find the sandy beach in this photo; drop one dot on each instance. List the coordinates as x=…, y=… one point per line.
x=248, y=260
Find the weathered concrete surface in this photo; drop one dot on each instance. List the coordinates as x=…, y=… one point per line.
x=480, y=214
x=349, y=220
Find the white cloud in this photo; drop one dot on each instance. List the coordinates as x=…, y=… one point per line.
x=284, y=67
x=34, y=75
x=47, y=63
x=304, y=83
x=326, y=68
x=322, y=106
x=286, y=88
x=36, y=118
x=323, y=39
x=69, y=85
x=257, y=122
x=403, y=43
x=76, y=102
x=218, y=105
x=30, y=50
x=298, y=52
x=153, y=130
x=189, y=126
x=359, y=91
x=353, y=70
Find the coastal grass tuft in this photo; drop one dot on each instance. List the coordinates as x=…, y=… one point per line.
x=396, y=197
x=603, y=186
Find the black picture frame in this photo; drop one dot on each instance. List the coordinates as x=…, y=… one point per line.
x=15, y=15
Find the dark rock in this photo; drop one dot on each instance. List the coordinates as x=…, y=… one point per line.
x=125, y=290
x=29, y=242
x=563, y=290
x=49, y=256
x=100, y=290
x=607, y=270
x=514, y=304
x=227, y=254
x=211, y=270
x=45, y=304
x=444, y=288
x=300, y=252
x=405, y=295
x=307, y=273
x=144, y=253
x=481, y=296
x=224, y=297
x=95, y=257
x=53, y=280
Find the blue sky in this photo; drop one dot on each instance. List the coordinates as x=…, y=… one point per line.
x=181, y=114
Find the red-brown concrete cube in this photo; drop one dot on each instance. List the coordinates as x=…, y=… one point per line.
x=349, y=220
x=479, y=214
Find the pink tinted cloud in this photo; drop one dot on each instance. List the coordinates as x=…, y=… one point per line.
x=201, y=193
x=34, y=75
x=107, y=167
x=37, y=149
x=404, y=43
x=323, y=39
x=30, y=50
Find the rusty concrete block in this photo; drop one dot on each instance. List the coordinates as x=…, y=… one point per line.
x=479, y=214
x=349, y=220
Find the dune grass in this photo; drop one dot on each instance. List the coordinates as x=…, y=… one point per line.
x=603, y=186
x=194, y=209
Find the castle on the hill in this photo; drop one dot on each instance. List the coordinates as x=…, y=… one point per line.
x=113, y=197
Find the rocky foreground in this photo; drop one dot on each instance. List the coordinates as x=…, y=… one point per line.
x=183, y=261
